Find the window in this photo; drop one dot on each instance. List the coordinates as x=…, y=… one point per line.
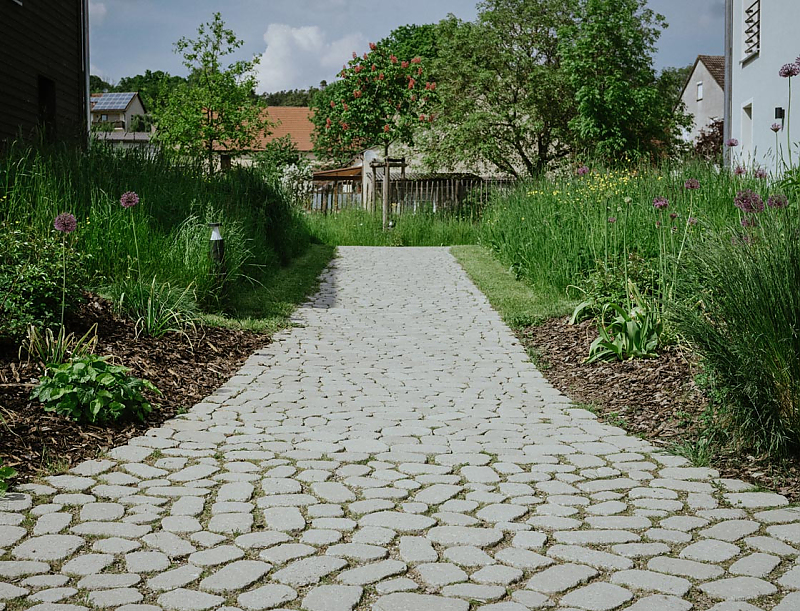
x=699, y=90
x=104, y=117
x=747, y=127
x=47, y=106
x=752, y=29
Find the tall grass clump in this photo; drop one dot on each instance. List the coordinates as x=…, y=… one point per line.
x=357, y=227
x=741, y=312
x=176, y=198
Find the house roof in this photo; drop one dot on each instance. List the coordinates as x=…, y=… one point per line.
x=113, y=101
x=715, y=65
x=294, y=121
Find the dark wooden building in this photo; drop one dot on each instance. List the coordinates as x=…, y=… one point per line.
x=44, y=65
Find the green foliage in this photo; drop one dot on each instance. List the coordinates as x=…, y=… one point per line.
x=49, y=349
x=216, y=109
x=500, y=76
x=89, y=389
x=276, y=155
x=630, y=334
x=31, y=278
x=157, y=307
x=98, y=85
x=6, y=473
x=292, y=97
x=740, y=309
x=154, y=87
x=380, y=99
x=608, y=58
x=412, y=41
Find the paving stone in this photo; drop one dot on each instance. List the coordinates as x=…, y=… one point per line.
x=400, y=522
x=439, y=574
x=10, y=592
x=332, y=598
x=45, y=581
x=597, y=597
x=467, y=555
x=496, y=574
x=261, y=540
x=560, y=578
x=48, y=524
x=591, y=557
x=790, y=579
x=231, y=523
x=649, y=580
x=710, y=550
x=530, y=599
x=755, y=565
x=522, y=558
x=216, y=555
x=308, y=570
x=266, y=597
x=48, y=547
x=685, y=568
x=321, y=537
x=370, y=573
x=753, y=500
x=640, y=550
x=417, y=549
x=15, y=568
x=660, y=602
x=731, y=530
x=333, y=492
x=189, y=600
x=146, y=562
x=115, y=598
x=188, y=506
x=52, y=595
x=175, y=578
x=768, y=545
x=87, y=564
x=284, y=553
x=473, y=591
x=448, y=536
x=107, y=581
x=115, y=545
x=738, y=588
x=790, y=533
x=235, y=576
x=404, y=601
x=790, y=602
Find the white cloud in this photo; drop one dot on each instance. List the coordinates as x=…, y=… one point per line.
x=297, y=58
x=97, y=12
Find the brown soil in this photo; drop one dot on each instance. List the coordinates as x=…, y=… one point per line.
x=184, y=368
x=655, y=398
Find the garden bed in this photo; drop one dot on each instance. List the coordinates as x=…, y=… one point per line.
x=656, y=399
x=184, y=368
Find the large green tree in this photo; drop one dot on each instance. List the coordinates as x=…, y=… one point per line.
x=217, y=110
x=381, y=98
x=503, y=98
x=154, y=87
x=608, y=57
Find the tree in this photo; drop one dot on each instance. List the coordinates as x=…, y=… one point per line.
x=670, y=83
x=608, y=57
x=503, y=99
x=292, y=97
x=412, y=41
x=381, y=98
x=98, y=85
x=277, y=154
x=217, y=109
x=153, y=87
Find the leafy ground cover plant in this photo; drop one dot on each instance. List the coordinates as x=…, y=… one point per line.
x=157, y=307
x=50, y=349
x=90, y=389
x=6, y=473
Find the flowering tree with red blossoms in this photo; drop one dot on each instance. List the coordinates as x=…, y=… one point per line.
x=380, y=99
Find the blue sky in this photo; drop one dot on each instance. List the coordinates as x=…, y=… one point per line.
x=302, y=42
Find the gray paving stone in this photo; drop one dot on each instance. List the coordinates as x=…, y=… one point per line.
x=231, y=523
x=790, y=602
x=235, y=576
x=700, y=571
x=107, y=581
x=371, y=573
x=448, y=536
x=266, y=597
x=755, y=565
x=282, y=554
x=16, y=568
x=710, y=550
x=261, y=540
x=400, y=522
x=738, y=588
x=660, y=602
x=497, y=574
x=522, y=558
x=560, y=578
x=467, y=555
x=404, y=601
x=175, y=578
x=358, y=551
x=216, y=555
x=652, y=581
x=52, y=595
x=588, y=556
x=439, y=574
x=189, y=600
x=332, y=598
x=417, y=549
x=473, y=591
x=597, y=597
x=308, y=570
x=87, y=564
x=115, y=598
x=48, y=547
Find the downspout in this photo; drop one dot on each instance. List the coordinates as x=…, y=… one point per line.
x=728, y=80
x=86, y=68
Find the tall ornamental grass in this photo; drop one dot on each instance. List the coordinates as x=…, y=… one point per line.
x=741, y=310
x=176, y=200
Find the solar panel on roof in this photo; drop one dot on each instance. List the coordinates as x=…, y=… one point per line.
x=114, y=101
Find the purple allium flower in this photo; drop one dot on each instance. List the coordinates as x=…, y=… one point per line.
x=739, y=170
x=760, y=173
x=658, y=224
x=748, y=201
x=65, y=223
x=692, y=221
x=691, y=184
x=129, y=199
x=776, y=127
x=583, y=170
x=789, y=70
x=673, y=215
x=612, y=219
x=749, y=221
x=732, y=142
x=660, y=203
x=779, y=200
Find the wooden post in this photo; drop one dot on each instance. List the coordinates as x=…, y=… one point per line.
x=386, y=183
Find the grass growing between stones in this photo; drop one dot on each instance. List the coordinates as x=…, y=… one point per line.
x=518, y=304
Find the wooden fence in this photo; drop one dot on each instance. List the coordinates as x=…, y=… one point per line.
x=331, y=196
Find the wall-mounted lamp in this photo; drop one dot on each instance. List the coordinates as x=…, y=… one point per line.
x=780, y=113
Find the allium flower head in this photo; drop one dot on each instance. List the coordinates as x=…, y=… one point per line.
x=65, y=222
x=748, y=201
x=749, y=221
x=691, y=184
x=660, y=203
x=776, y=127
x=612, y=219
x=779, y=200
x=739, y=170
x=583, y=170
x=129, y=199
x=760, y=173
x=692, y=221
x=673, y=215
x=732, y=142
x=789, y=70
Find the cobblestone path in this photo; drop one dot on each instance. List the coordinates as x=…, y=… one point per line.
x=397, y=452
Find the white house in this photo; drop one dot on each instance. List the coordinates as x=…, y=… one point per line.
x=704, y=93
x=760, y=38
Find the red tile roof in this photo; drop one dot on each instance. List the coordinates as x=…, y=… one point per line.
x=294, y=121
x=716, y=66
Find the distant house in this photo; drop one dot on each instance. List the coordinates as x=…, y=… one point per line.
x=117, y=110
x=44, y=76
x=292, y=121
x=760, y=37
x=704, y=93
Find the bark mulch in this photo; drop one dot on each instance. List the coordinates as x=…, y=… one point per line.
x=184, y=368
x=656, y=398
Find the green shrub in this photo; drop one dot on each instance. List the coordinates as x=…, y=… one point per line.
x=31, y=272
x=89, y=389
x=741, y=310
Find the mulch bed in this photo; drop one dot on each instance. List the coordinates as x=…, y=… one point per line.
x=184, y=368
x=656, y=398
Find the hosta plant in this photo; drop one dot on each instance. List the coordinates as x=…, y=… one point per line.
x=90, y=389
x=6, y=473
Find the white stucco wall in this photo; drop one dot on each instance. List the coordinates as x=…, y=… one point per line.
x=756, y=88
x=704, y=111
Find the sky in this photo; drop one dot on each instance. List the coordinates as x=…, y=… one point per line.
x=302, y=42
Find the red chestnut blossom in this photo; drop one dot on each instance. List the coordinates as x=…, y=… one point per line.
x=344, y=125
x=328, y=123
x=380, y=76
x=374, y=67
x=333, y=104
x=404, y=64
x=393, y=58
x=357, y=94
x=416, y=60
x=411, y=83
x=386, y=128
x=419, y=71
x=359, y=68
x=355, y=55
x=364, y=56
x=422, y=117
x=372, y=46
x=346, y=107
